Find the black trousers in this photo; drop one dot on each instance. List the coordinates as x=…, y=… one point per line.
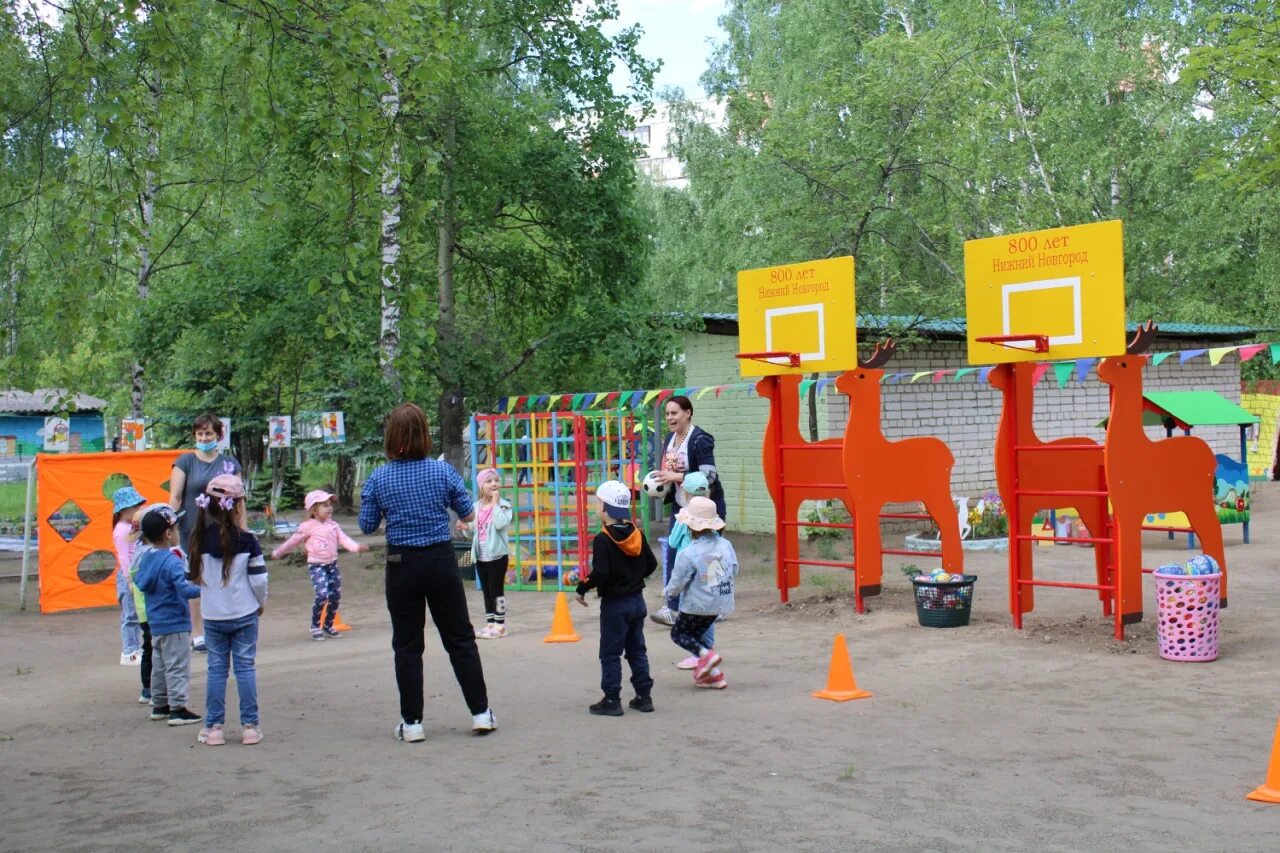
x=145, y=669
x=493, y=580
x=421, y=579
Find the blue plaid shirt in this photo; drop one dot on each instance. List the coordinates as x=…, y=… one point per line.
x=415, y=496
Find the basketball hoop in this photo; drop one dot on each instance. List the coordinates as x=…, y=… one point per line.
x=792, y=358
x=1039, y=343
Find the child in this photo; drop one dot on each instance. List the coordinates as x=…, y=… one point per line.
x=703, y=578
x=489, y=552
x=161, y=578
x=227, y=562
x=125, y=505
x=141, y=547
x=323, y=536
x=695, y=484
x=620, y=561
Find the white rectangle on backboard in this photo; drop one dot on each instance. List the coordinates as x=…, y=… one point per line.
x=817, y=309
x=1073, y=283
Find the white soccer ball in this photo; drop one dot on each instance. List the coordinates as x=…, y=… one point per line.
x=654, y=486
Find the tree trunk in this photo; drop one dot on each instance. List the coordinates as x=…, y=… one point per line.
x=146, y=214
x=389, y=242
x=345, y=483
x=11, y=320
x=451, y=415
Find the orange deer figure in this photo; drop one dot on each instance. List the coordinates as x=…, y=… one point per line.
x=812, y=470
x=878, y=471
x=1146, y=476
x=1055, y=468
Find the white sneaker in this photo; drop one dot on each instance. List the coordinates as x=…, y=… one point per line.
x=410, y=732
x=131, y=659
x=484, y=722
x=663, y=616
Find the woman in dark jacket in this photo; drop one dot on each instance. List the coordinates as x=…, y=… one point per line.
x=687, y=448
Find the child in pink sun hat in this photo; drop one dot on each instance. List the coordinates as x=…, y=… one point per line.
x=703, y=580
x=323, y=537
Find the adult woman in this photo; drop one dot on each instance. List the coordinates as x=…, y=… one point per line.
x=190, y=476
x=414, y=494
x=688, y=448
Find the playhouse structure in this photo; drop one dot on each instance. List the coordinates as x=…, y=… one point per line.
x=550, y=464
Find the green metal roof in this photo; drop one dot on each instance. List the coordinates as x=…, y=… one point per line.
x=1189, y=409
x=953, y=328
x=1198, y=408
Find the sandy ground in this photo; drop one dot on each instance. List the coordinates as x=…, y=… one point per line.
x=981, y=738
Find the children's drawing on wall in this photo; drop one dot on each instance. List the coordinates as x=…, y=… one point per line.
x=56, y=434
x=280, y=431
x=133, y=435
x=334, y=428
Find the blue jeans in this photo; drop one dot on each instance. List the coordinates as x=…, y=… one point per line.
x=130, y=631
x=233, y=641
x=622, y=632
x=673, y=603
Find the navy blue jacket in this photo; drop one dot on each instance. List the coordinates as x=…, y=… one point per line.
x=162, y=577
x=702, y=451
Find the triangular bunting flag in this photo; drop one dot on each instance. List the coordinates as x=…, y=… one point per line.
x=893, y=378
x=916, y=377
x=520, y=401
x=804, y=387
x=1275, y=353
x=941, y=375
x=703, y=391
x=637, y=399
x=1038, y=373
x=1248, y=351
x=648, y=397
x=1157, y=358
x=503, y=402
x=719, y=391
x=1216, y=354
x=555, y=401
x=1062, y=372
x=1187, y=355
x=963, y=372
x=577, y=401
x=983, y=374
x=1083, y=366
x=538, y=403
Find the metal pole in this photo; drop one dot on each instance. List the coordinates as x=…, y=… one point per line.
x=26, y=535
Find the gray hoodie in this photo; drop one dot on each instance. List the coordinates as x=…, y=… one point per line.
x=703, y=577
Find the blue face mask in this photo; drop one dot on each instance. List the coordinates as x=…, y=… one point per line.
x=206, y=446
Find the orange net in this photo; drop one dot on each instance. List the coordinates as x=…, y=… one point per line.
x=71, y=495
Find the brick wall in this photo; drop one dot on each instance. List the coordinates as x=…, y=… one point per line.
x=964, y=414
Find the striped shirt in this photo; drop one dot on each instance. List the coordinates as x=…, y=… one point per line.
x=414, y=496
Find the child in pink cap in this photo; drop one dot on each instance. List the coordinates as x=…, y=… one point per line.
x=322, y=536
x=490, y=552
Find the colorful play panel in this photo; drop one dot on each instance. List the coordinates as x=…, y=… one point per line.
x=550, y=464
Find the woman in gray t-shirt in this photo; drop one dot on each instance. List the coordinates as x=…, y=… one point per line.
x=193, y=471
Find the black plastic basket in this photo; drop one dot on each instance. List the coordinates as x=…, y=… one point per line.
x=946, y=604
x=466, y=567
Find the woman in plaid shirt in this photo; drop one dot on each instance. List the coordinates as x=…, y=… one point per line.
x=414, y=494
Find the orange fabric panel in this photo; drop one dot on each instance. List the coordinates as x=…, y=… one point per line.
x=79, y=478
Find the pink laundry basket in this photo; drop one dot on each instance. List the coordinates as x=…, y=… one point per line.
x=1187, y=607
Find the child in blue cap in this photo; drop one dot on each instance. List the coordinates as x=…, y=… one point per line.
x=125, y=503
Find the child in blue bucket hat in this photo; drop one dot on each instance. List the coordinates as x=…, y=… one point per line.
x=126, y=501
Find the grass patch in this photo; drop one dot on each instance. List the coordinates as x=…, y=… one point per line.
x=13, y=500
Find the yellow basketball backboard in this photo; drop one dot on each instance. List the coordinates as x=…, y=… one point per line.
x=807, y=309
x=1064, y=284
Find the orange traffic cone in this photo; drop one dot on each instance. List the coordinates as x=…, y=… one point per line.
x=338, y=624
x=561, y=624
x=1269, y=791
x=841, y=685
